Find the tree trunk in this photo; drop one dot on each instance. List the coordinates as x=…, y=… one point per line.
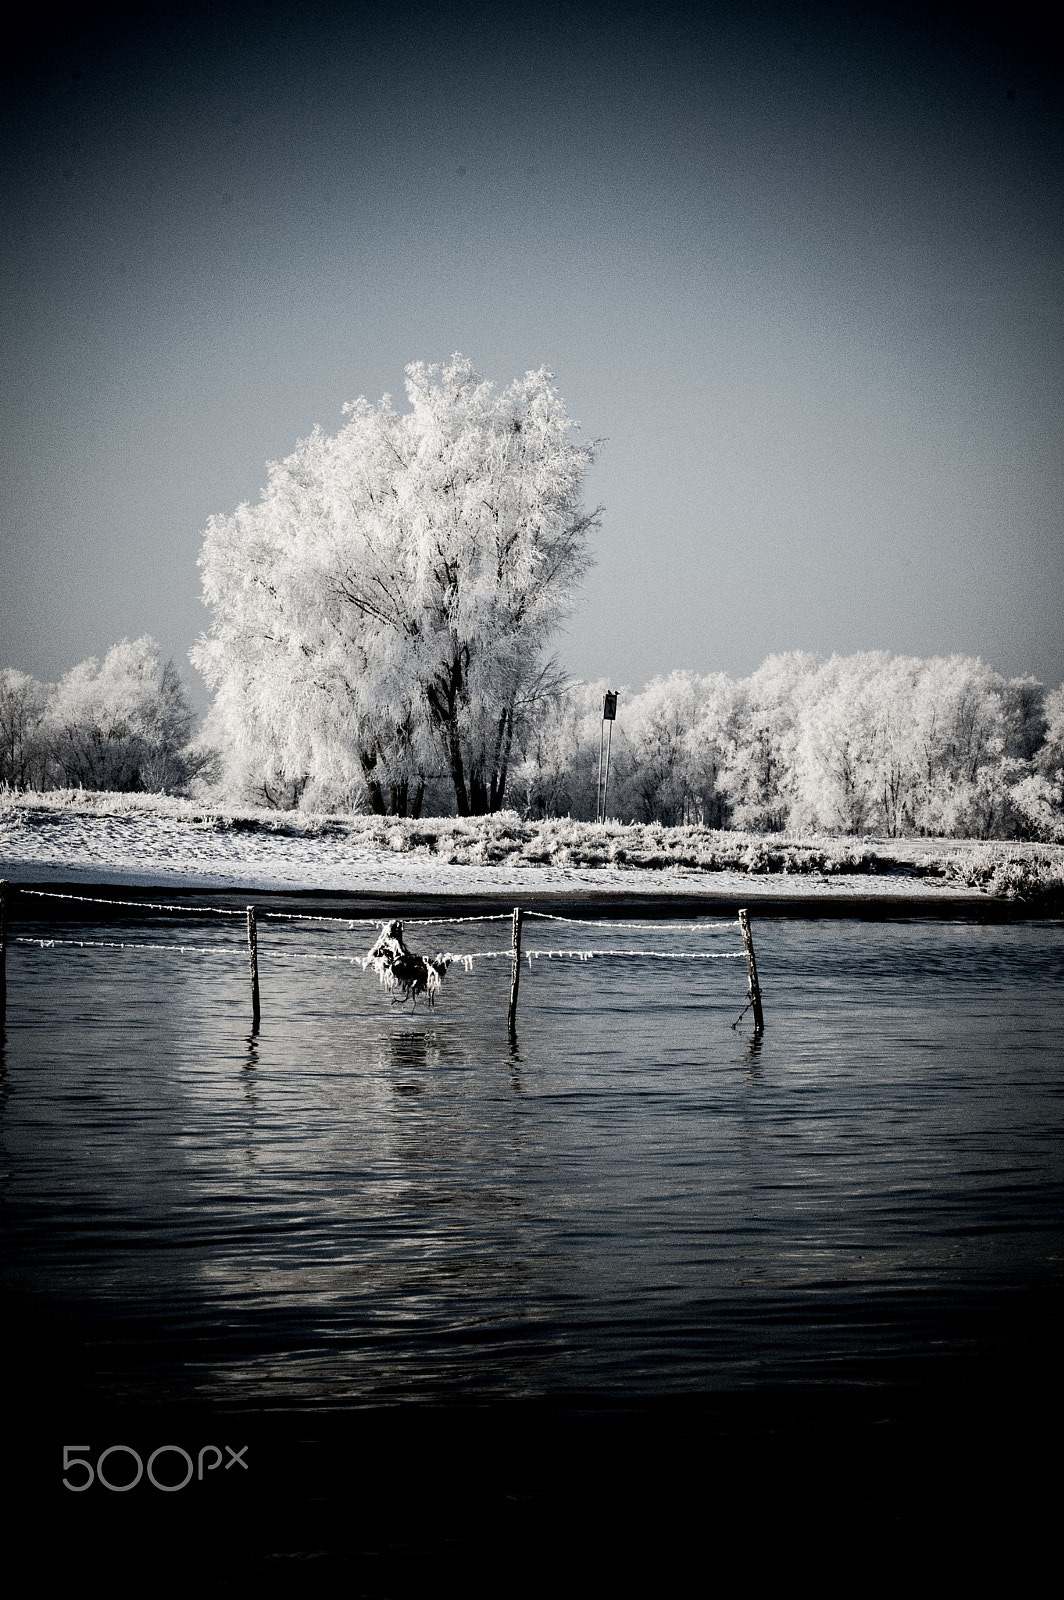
x=502, y=758
x=443, y=703
x=376, y=798
x=458, y=774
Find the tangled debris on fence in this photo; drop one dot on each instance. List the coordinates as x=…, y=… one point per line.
x=402, y=969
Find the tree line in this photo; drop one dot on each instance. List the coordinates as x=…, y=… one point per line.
x=866, y=743
x=859, y=744
x=123, y=724
x=380, y=622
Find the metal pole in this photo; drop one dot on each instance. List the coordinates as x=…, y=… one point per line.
x=253, y=963
x=598, y=786
x=606, y=787
x=751, y=967
x=515, y=974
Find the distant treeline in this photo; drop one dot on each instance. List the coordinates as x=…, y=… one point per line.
x=122, y=724
x=868, y=743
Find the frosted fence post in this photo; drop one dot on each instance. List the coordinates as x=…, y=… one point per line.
x=3, y=951
x=515, y=974
x=751, y=966
x=253, y=963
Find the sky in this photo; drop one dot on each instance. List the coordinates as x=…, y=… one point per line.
x=798, y=267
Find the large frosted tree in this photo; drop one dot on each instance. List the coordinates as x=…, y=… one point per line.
x=387, y=605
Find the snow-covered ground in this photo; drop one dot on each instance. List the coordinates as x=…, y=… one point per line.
x=154, y=841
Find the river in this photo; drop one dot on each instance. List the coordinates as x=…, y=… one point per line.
x=365, y=1209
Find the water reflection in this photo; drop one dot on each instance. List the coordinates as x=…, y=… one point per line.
x=418, y=1050
x=752, y=1056
x=251, y=1057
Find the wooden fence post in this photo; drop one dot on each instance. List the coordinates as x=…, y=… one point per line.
x=3, y=952
x=751, y=965
x=515, y=974
x=253, y=962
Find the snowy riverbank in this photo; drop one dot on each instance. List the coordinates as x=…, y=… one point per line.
x=77, y=837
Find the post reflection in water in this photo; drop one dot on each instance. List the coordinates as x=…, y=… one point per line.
x=358, y=1204
x=752, y=1055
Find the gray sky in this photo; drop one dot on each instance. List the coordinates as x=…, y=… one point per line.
x=801, y=268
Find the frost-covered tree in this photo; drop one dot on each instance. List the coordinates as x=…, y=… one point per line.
x=839, y=742
x=22, y=703
x=123, y=723
x=712, y=743
x=651, y=758
x=23, y=757
x=760, y=775
x=893, y=744
x=387, y=604
x=961, y=773
x=671, y=744
x=1038, y=797
x=674, y=741
x=1023, y=704
x=556, y=773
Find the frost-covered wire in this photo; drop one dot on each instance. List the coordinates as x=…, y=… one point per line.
x=188, y=949
x=275, y=916
x=139, y=905
x=305, y=916
x=438, y=922
x=360, y=922
x=468, y=958
x=638, y=927
x=103, y=944
x=375, y=922
x=314, y=955
x=362, y=962
x=662, y=955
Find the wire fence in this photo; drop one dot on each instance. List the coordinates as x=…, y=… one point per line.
x=390, y=947
x=362, y=922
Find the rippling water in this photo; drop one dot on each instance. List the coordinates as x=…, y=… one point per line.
x=363, y=1204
